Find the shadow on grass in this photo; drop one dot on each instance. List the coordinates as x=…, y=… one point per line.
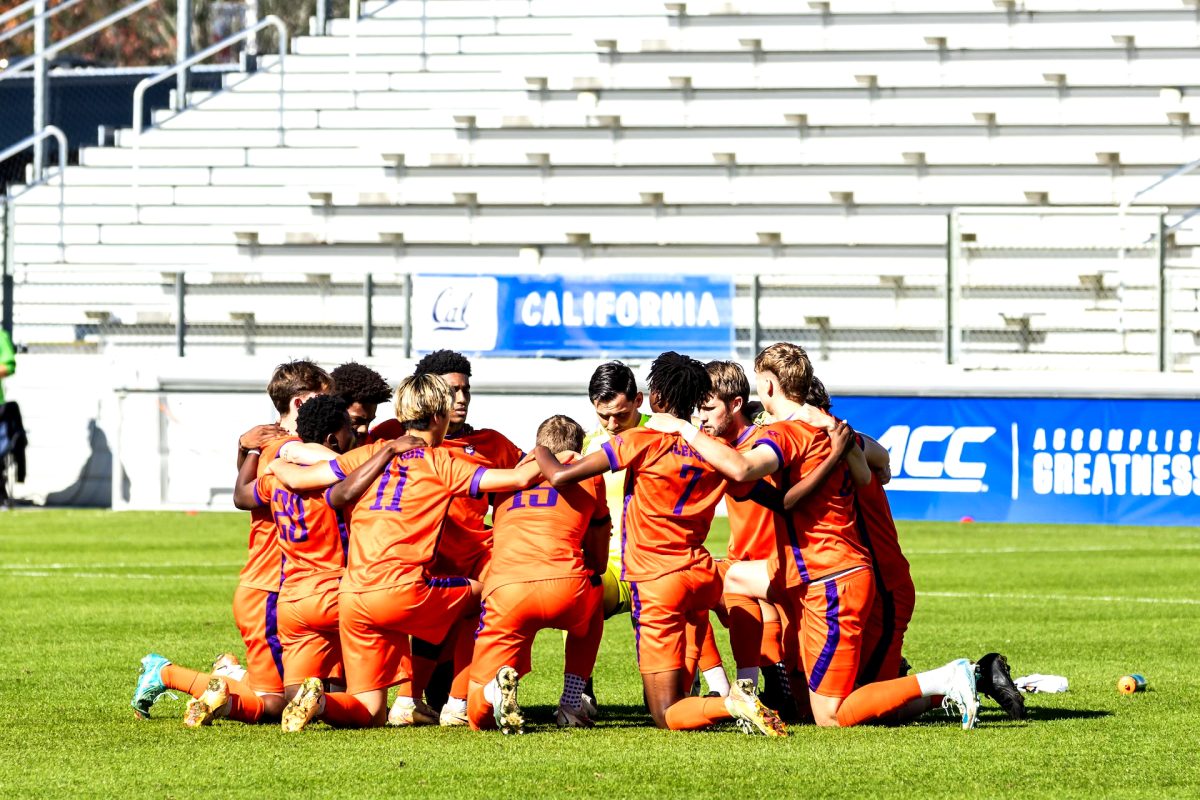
x=610, y=716
x=1046, y=714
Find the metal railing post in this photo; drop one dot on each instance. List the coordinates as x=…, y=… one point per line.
x=183, y=50
x=368, y=315
x=6, y=278
x=1164, y=300
x=408, y=320
x=951, y=330
x=322, y=18
x=41, y=94
x=180, y=313
x=755, y=298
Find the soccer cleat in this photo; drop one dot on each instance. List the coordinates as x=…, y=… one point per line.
x=228, y=666
x=751, y=715
x=418, y=712
x=304, y=706
x=994, y=679
x=961, y=694
x=201, y=710
x=777, y=691
x=149, y=685
x=572, y=718
x=590, y=706
x=509, y=718
x=452, y=718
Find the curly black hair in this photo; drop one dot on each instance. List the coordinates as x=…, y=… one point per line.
x=817, y=396
x=357, y=383
x=443, y=362
x=320, y=416
x=679, y=382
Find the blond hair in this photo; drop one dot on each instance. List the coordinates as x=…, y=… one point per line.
x=728, y=381
x=419, y=398
x=559, y=433
x=790, y=366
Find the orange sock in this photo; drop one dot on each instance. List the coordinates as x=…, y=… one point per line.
x=479, y=710
x=345, y=711
x=771, y=647
x=745, y=629
x=694, y=713
x=877, y=700
x=182, y=679
x=464, y=650
x=244, y=705
x=710, y=656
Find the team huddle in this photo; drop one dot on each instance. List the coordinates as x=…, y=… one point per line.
x=371, y=564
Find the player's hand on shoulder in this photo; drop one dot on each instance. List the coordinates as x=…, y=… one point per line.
x=259, y=435
x=884, y=474
x=402, y=444
x=665, y=423
x=841, y=437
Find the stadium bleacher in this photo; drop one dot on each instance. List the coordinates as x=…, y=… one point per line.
x=819, y=147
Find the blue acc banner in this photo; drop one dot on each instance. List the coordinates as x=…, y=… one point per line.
x=558, y=315
x=1129, y=462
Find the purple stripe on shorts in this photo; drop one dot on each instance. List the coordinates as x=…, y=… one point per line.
x=635, y=614
x=273, y=631
x=337, y=471
x=447, y=583
x=775, y=447
x=482, y=614
x=478, y=476
x=794, y=546
x=612, y=456
x=831, y=637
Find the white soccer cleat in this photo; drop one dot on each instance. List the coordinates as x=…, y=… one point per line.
x=509, y=717
x=228, y=666
x=414, y=712
x=453, y=718
x=961, y=694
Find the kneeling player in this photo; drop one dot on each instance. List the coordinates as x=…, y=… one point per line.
x=550, y=545
x=672, y=494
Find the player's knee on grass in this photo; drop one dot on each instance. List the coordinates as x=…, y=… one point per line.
x=824, y=709
x=663, y=691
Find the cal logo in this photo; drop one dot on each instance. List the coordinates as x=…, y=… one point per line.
x=453, y=312
x=936, y=458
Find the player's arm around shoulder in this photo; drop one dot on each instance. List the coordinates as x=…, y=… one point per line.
x=245, y=491
x=841, y=440
x=735, y=466
x=364, y=472
x=559, y=474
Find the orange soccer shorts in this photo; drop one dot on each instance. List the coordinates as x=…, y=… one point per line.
x=671, y=611
x=831, y=615
x=375, y=626
x=256, y=613
x=883, y=635
x=513, y=614
x=308, y=630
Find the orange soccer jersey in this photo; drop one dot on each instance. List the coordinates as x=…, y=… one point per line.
x=751, y=525
x=397, y=523
x=310, y=534
x=671, y=493
x=818, y=537
x=539, y=532
x=467, y=538
x=263, y=564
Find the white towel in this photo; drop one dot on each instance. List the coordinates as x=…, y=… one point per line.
x=1042, y=684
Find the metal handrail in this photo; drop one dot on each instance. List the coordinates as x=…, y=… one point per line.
x=29, y=23
x=18, y=11
x=139, y=91
x=76, y=37
x=25, y=144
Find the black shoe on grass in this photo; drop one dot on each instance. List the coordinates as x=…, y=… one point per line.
x=996, y=682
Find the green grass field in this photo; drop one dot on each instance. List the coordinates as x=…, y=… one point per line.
x=88, y=593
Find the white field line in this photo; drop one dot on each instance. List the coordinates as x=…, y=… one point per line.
x=1176, y=601
x=1120, y=548
x=114, y=575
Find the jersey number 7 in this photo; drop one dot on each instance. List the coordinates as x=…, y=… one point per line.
x=692, y=473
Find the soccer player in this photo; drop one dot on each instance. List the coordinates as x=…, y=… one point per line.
x=819, y=560
x=550, y=547
x=754, y=625
x=363, y=389
x=255, y=600
x=671, y=494
x=388, y=592
x=895, y=594
x=614, y=395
